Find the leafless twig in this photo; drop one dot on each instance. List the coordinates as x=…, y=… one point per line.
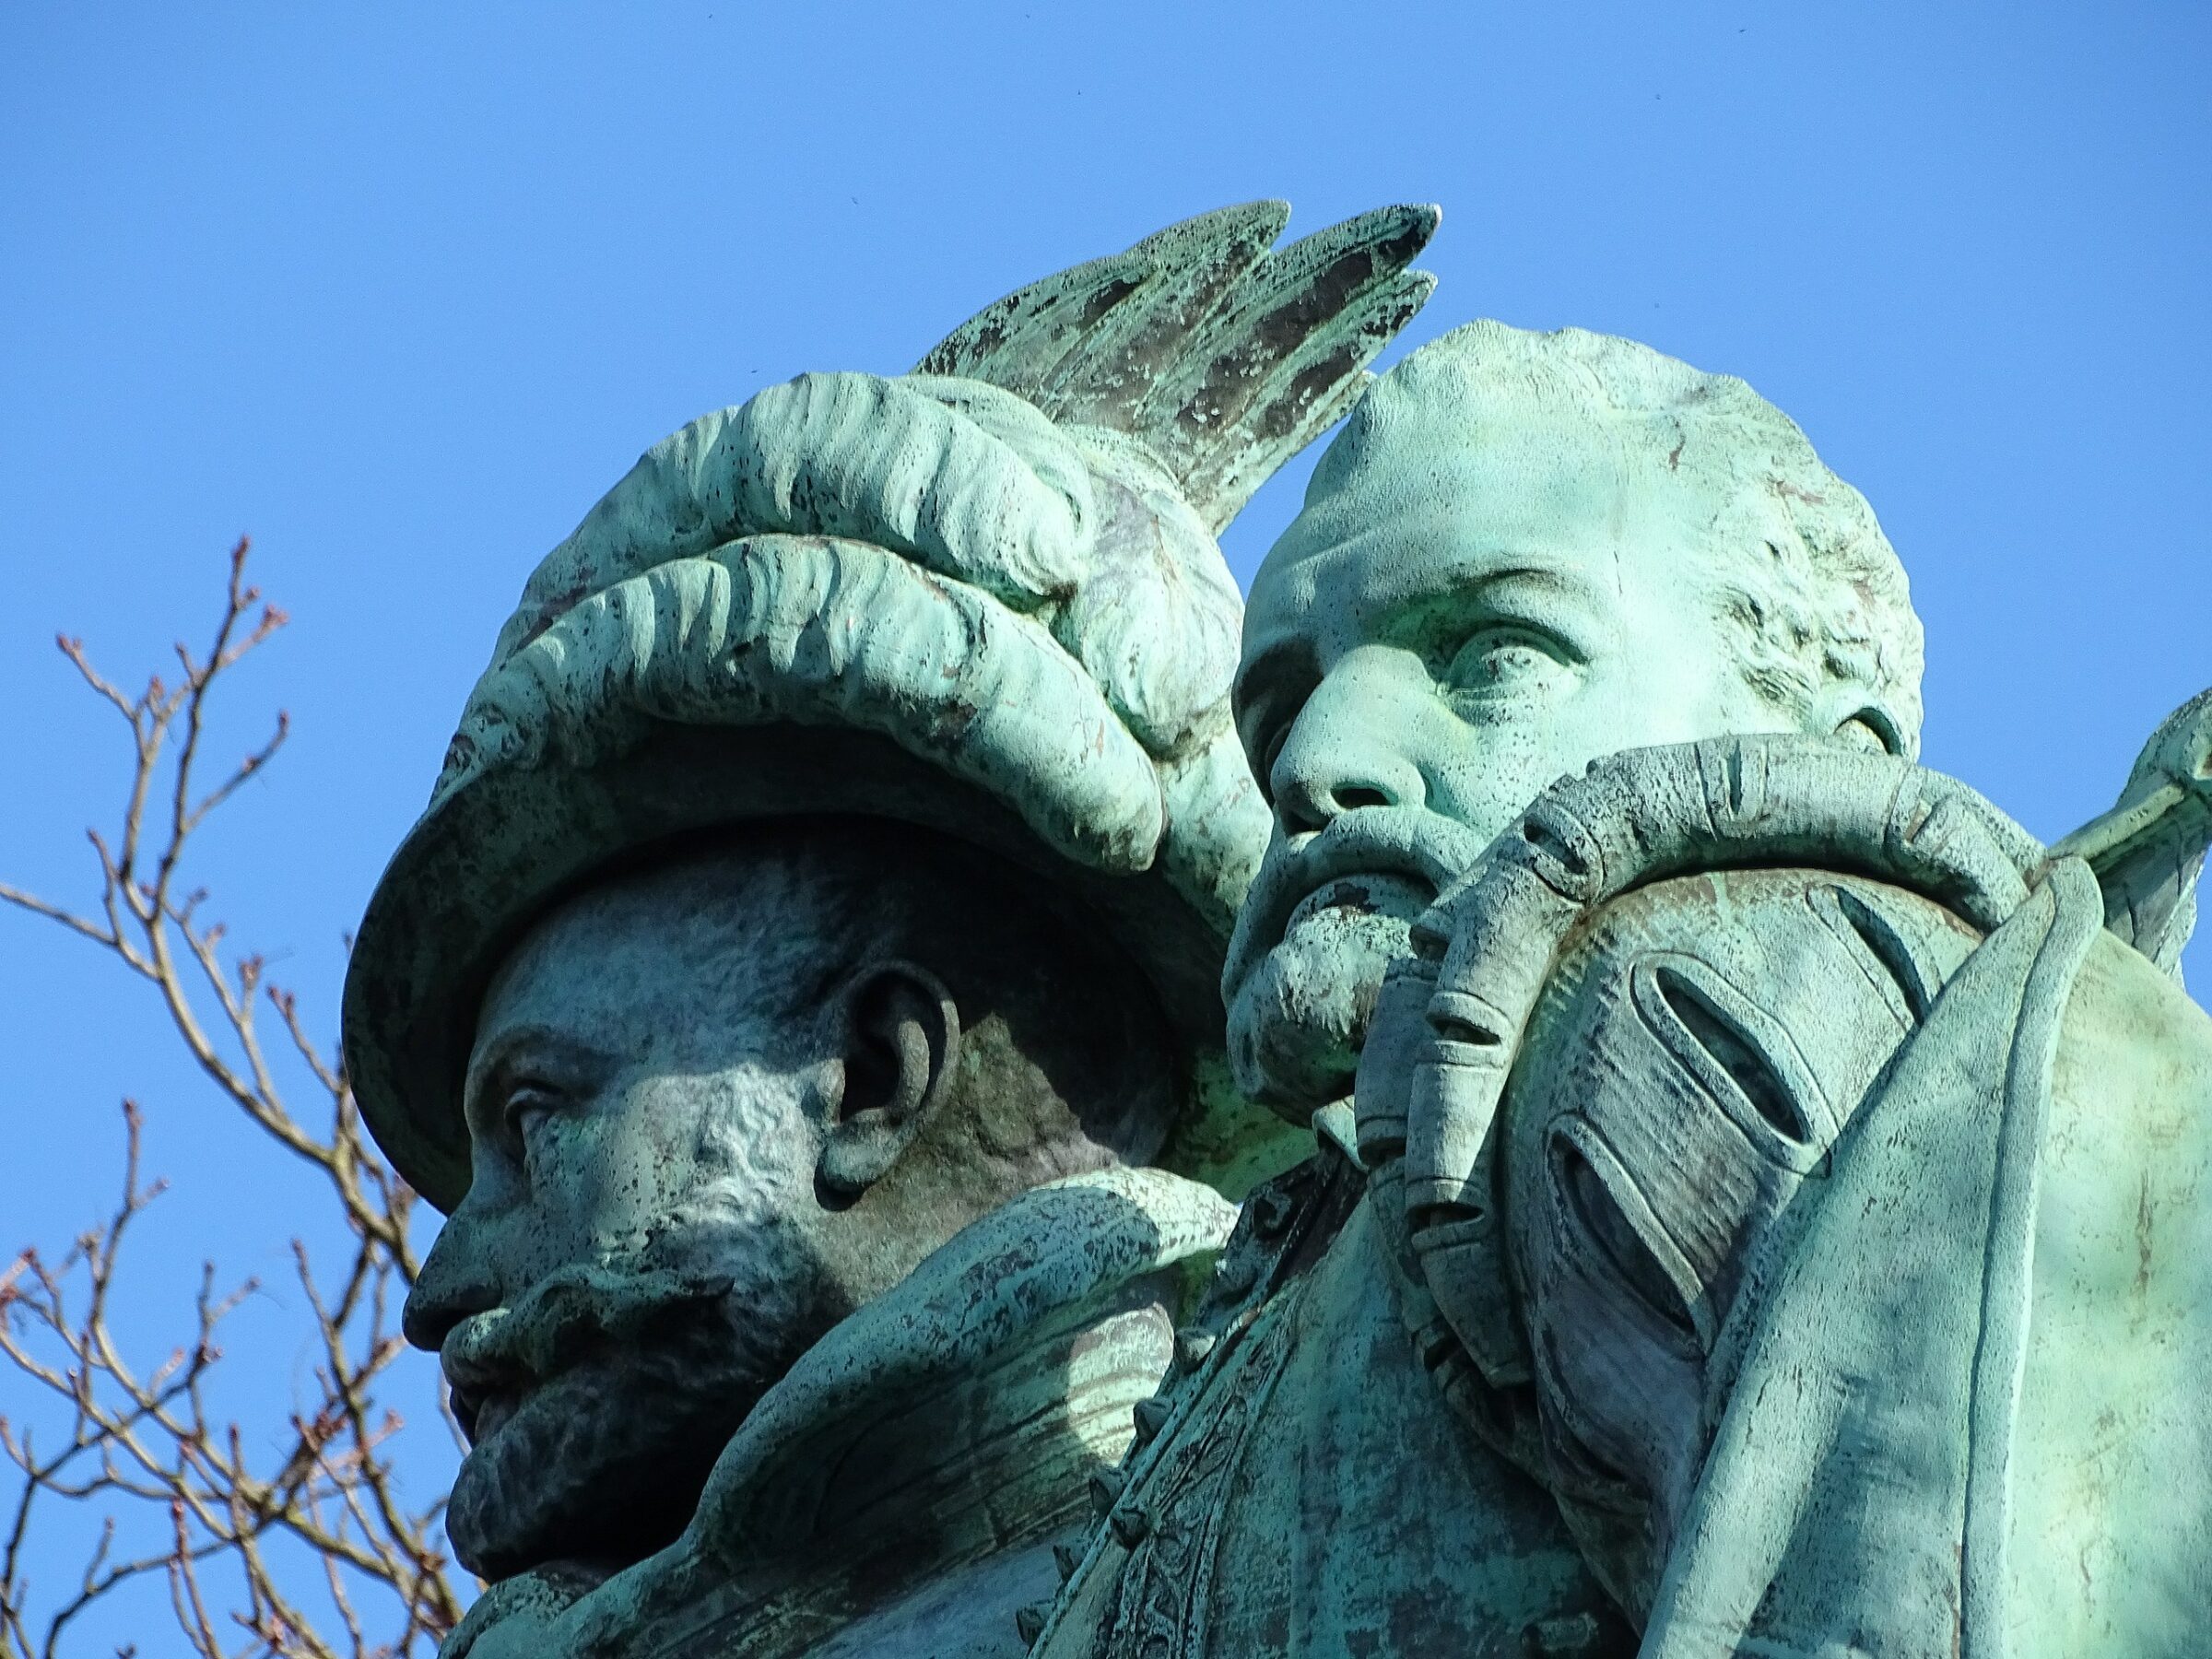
x=133, y=1441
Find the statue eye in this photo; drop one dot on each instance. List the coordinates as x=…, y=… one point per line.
x=1504, y=662
x=528, y=1104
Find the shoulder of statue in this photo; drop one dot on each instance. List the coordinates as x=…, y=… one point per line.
x=1719, y=897
x=1737, y=934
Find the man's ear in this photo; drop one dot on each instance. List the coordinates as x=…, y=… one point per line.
x=901, y=1036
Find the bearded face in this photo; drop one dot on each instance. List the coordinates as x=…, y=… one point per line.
x=1329, y=912
x=1446, y=630
x=635, y=1262
x=713, y=1106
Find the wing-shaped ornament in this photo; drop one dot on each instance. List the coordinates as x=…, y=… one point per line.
x=1223, y=357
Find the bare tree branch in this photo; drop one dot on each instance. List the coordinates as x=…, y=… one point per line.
x=128, y=1441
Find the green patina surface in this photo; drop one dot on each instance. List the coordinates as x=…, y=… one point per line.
x=885, y=899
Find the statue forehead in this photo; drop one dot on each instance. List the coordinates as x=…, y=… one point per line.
x=652, y=951
x=1442, y=500
x=1494, y=448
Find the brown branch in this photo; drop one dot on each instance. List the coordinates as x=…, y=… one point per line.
x=126, y=1441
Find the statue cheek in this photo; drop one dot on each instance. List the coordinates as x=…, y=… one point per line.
x=1488, y=771
x=603, y=1178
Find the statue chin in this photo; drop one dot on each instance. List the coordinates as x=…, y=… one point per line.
x=1298, y=1019
x=604, y=1464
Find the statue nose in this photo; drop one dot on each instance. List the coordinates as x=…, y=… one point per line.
x=453, y=1283
x=1313, y=787
x=1353, y=743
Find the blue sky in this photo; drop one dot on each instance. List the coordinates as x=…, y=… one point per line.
x=401, y=289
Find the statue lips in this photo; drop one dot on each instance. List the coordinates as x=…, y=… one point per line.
x=1398, y=844
x=1367, y=890
x=487, y=1381
x=481, y=1416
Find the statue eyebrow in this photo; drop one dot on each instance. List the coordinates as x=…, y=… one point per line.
x=1444, y=602
x=1548, y=578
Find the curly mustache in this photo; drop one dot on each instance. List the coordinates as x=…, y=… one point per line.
x=1423, y=846
x=572, y=1311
